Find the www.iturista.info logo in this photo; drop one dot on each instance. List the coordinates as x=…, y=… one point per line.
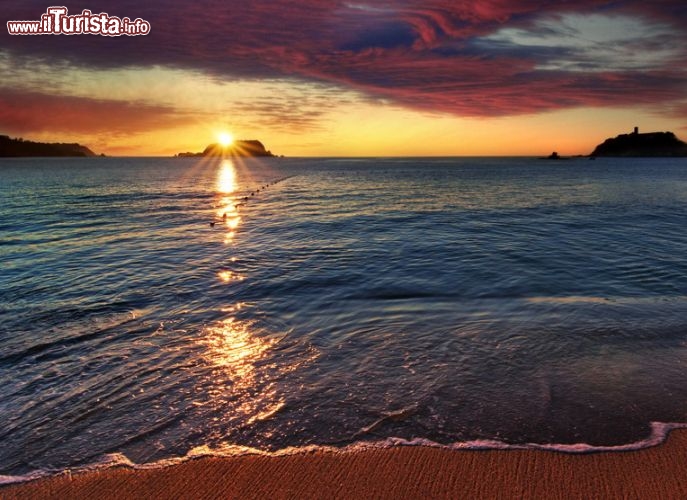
x=56, y=21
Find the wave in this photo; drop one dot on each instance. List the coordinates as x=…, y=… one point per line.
x=659, y=434
x=86, y=324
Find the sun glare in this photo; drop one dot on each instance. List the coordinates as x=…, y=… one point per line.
x=225, y=139
x=226, y=178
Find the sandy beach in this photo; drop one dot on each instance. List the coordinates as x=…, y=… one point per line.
x=403, y=472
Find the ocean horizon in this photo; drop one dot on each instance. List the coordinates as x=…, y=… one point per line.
x=156, y=309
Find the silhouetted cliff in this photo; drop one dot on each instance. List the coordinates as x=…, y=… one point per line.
x=237, y=148
x=636, y=144
x=20, y=147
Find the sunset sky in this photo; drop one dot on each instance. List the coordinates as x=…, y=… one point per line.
x=351, y=78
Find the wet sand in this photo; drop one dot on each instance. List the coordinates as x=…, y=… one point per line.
x=402, y=472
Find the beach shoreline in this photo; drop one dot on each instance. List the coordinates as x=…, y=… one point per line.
x=398, y=472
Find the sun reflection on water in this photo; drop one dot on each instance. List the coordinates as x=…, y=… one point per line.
x=226, y=181
x=241, y=384
x=227, y=209
x=242, y=377
x=242, y=387
x=229, y=276
x=232, y=347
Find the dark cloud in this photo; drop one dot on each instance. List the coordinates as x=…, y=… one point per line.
x=386, y=36
x=435, y=55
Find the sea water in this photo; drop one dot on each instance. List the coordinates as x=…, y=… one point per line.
x=152, y=309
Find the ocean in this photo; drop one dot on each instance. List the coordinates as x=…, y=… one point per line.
x=155, y=309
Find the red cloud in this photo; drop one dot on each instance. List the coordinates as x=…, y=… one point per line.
x=22, y=112
x=423, y=54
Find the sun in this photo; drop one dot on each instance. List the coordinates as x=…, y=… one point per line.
x=225, y=139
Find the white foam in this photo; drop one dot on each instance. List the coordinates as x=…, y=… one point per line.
x=659, y=433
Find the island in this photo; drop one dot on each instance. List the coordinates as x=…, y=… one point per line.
x=652, y=144
x=19, y=147
x=245, y=148
x=553, y=156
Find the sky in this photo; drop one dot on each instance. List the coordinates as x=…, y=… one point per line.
x=351, y=78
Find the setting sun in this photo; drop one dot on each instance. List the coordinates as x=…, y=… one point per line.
x=225, y=139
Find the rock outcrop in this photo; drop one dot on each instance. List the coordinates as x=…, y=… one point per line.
x=246, y=148
x=636, y=144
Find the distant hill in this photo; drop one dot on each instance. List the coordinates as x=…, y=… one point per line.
x=245, y=148
x=19, y=147
x=636, y=144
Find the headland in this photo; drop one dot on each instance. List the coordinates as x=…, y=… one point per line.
x=19, y=147
x=636, y=144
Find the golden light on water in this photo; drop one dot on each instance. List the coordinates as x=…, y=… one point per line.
x=235, y=351
x=226, y=181
x=227, y=209
x=233, y=223
x=232, y=347
x=228, y=276
x=241, y=380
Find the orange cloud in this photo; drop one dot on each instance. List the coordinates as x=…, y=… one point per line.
x=34, y=112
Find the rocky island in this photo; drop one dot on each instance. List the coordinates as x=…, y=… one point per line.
x=245, y=148
x=553, y=156
x=653, y=144
x=21, y=148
